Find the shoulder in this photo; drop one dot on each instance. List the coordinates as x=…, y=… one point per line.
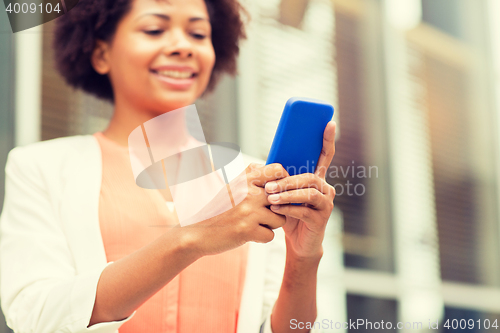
x=52, y=156
x=53, y=150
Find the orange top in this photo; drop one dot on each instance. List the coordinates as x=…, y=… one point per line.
x=203, y=297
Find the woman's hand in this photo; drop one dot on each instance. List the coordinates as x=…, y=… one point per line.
x=305, y=225
x=249, y=220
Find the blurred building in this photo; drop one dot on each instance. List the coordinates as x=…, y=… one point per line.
x=416, y=89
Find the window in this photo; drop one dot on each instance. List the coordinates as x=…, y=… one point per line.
x=371, y=311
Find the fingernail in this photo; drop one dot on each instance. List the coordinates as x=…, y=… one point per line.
x=275, y=207
x=271, y=186
x=274, y=197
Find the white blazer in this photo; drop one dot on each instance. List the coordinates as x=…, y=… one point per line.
x=51, y=249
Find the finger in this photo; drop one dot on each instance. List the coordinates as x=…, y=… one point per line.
x=258, y=195
x=262, y=175
x=273, y=221
x=253, y=166
x=310, y=196
x=305, y=180
x=325, y=158
x=263, y=235
x=303, y=213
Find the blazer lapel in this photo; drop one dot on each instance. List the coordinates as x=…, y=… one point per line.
x=80, y=208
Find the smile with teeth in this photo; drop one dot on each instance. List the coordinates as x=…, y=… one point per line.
x=176, y=74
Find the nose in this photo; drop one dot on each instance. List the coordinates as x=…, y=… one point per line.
x=179, y=44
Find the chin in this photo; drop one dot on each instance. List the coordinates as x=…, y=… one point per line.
x=168, y=100
x=166, y=105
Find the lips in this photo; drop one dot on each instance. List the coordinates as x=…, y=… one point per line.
x=177, y=77
x=175, y=74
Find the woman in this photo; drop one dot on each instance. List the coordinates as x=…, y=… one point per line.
x=75, y=256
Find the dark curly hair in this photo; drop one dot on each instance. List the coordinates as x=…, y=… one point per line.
x=77, y=32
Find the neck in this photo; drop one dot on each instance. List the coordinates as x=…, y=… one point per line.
x=169, y=127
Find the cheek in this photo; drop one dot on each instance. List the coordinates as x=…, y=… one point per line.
x=133, y=57
x=209, y=59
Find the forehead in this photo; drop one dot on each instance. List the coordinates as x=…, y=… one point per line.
x=188, y=7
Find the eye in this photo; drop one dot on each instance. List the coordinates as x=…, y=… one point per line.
x=154, y=32
x=199, y=36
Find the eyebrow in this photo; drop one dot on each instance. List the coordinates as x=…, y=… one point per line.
x=167, y=18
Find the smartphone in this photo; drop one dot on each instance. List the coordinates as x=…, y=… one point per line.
x=298, y=140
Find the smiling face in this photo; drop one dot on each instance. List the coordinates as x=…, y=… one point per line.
x=161, y=56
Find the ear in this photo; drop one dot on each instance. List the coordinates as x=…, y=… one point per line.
x=100, y=57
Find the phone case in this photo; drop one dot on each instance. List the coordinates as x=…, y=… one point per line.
x=299, y=138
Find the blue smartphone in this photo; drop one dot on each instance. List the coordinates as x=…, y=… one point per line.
x=299, y=138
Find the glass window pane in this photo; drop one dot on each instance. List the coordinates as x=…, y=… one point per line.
x=358, y=170
x=465, y=320
x=371, y=310
x=443, y=14
x=462, y=132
